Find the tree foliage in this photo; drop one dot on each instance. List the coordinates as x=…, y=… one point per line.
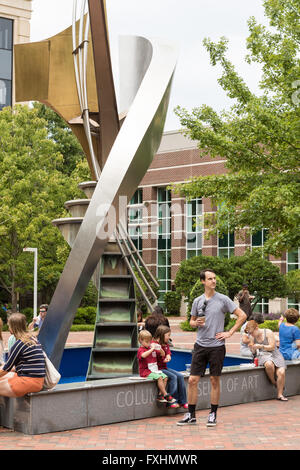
x=34, y=185
x=263, y=277
x=258, y=136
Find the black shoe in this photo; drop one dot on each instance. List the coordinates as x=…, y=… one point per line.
x=212, y=420
x=187, y=419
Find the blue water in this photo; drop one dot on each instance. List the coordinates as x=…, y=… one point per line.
x=74, y=363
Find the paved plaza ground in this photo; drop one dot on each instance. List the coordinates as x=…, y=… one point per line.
x=265, y=425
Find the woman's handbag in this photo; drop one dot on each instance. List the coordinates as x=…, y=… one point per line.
x=52, y=376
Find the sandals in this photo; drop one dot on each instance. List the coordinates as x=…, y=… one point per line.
x=282, y=398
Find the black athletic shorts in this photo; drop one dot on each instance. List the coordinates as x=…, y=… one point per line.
x=201, y=357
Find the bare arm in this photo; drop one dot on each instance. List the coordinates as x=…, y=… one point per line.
x=267, y=347
x=241, y=318
x=147, y=353
x=3, y=372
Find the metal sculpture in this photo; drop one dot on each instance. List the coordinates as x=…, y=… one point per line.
x=119, y=148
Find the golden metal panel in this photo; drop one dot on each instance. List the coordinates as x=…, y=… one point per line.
x=32, y=71
x=45, y=73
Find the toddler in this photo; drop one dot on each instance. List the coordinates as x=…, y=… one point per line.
x=147, y=357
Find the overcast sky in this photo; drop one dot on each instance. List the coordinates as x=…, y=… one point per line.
x=186, y=23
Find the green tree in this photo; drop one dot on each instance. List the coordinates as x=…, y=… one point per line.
x=262, y=276
x=258, y=136
x=33, y=190
x=293, y=284
x=66, y=142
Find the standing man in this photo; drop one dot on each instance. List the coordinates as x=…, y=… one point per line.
x=244, y=299
x=208, y=314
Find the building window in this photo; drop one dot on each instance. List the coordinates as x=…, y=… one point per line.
x=164, y=241
x=226, y=245
x=293, y=262
x=293, y=258
x=135, y=217
x=262, y=306
x=258, y=239
x=193, y=228
x=6, y=48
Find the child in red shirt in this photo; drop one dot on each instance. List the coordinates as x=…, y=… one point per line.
x=147, y=357
x=176, y=384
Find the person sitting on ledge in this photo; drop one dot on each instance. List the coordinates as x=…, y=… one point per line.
x=289, y=335
x=26, y=356
x=245, y=338
x=263, y=342
x=148, y=368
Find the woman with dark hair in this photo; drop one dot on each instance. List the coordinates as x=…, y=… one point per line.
x=1, y=343
x=155, y=319
x=26, y=356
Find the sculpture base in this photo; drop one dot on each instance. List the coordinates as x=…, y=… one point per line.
x=94, y=403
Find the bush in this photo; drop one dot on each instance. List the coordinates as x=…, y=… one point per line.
x=172, y=302
x=82, y=328
x=28, y=312
x=185, y=326
x=85, y=316
x=272, y=316
x=269, y=283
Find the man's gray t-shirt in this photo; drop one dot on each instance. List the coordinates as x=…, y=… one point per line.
x=217, y=306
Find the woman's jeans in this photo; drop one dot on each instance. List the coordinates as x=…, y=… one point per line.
x=176, y=385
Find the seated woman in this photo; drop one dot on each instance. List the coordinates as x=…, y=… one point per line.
x=263, y=342
x=245, y=338
x=289, y=335
x=1, y=343
x=26, y=357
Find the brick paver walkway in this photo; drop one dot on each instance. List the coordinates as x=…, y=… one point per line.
x=266, y=425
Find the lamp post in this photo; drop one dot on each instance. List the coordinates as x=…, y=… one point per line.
x=35, y=251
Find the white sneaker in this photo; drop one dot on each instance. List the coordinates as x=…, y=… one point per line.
x=187, y=419
x=212, y=420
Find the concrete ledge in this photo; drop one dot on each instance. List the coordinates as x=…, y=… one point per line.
x=93, y=403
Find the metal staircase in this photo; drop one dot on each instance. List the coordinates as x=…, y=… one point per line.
x=115, y=342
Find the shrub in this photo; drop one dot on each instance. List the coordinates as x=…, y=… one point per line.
x=272, y=316
x=172, y=302
x=82, y=328
x=185, y=326
x=269, y=283
x=85, y=316
x=28, y=312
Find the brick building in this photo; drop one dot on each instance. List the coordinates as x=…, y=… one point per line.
x=164, y=229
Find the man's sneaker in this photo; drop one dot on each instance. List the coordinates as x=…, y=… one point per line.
x=169, y=399
x=212, y=420
x=187, y=419
x=161, y=399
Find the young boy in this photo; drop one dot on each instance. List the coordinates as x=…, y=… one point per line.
x=147, y=357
